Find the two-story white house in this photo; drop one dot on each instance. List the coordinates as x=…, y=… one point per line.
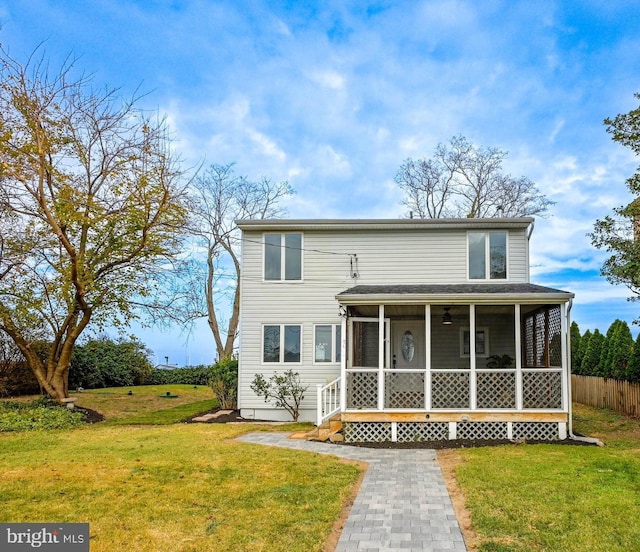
x=405, y=329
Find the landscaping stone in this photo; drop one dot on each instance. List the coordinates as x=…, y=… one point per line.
x=212, y=416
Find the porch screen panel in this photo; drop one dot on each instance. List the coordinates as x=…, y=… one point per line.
x=445, y=340
x=542, y=350
x=542, y=340
x=404, y=389
x=365, y=344
x=496, y=371
x=362, y=390
x=450, y=379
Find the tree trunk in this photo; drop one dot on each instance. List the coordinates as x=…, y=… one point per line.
x=58, y=385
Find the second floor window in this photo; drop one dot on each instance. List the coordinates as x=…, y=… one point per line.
x=283, y=256
x=487, y=255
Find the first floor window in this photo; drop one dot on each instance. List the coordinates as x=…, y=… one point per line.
x=482, y=342
x=327, y=341
x=281, y=343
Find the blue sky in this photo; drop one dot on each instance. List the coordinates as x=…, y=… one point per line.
x=332, y=96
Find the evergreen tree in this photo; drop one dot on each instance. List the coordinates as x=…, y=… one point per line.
x=591, y=359
x=574, y=333
x=620, y=349
x=605, y=367
x=584, y=341
x=633, y=368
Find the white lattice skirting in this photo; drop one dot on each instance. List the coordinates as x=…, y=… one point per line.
x=404, y=432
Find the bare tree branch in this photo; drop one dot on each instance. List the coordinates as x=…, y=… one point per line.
x=464, y=181
x=219, y=199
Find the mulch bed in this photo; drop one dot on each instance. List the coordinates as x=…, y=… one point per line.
x=235, y=417
x=463, y=443
x=90, y=416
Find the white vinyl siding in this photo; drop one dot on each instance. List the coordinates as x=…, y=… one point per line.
x=384, y=257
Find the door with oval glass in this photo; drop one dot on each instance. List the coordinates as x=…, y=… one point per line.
x=408, y=344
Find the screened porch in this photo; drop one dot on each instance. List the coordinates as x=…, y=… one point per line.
x=423, y=358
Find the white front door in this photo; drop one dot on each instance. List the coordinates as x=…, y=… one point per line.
x=408, y=344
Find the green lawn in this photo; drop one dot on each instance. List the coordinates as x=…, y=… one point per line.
x=192, y=487
x=182, y=487
x=187, y=487
x=558, y=498
x=146, y=401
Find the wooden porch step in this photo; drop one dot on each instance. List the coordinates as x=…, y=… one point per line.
x=328, y=431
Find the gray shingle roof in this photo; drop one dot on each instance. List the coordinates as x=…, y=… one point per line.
x=458, y=289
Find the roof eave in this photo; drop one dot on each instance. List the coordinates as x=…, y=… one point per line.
x=453, y=298
x=382, y=224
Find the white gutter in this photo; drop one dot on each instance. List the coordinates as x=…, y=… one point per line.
x=383, y=224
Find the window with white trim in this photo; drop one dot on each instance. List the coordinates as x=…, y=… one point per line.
x=482, y=342
x=487, y=255
x=283, y=257
x=327, y=346
x=281, y=343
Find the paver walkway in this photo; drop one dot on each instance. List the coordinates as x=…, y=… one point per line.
x=403, y=503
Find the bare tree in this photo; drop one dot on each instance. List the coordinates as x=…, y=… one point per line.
x=465, y=181
x=92, y=204
x=220, y=198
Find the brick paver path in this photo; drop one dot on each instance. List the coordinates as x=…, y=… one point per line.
x=403, y=503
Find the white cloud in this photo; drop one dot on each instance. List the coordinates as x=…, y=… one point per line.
x=266, y=145
x=329, y=79
x=333, y=100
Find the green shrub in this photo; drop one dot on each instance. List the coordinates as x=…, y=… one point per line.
x=224, y=382
x=191, y=375
x=41, y=414
x=283, y=390
x=107, y=363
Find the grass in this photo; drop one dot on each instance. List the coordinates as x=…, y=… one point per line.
x=192, y=487
x=147, y=402
x=560, y=498
x=186, y=487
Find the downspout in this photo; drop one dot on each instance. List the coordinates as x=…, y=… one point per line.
x=528, y=244
x=530, y=230
x=572, y=436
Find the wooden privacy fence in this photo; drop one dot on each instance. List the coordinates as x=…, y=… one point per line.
x=621, y=396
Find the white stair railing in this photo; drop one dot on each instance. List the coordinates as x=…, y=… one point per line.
x=328, y=400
